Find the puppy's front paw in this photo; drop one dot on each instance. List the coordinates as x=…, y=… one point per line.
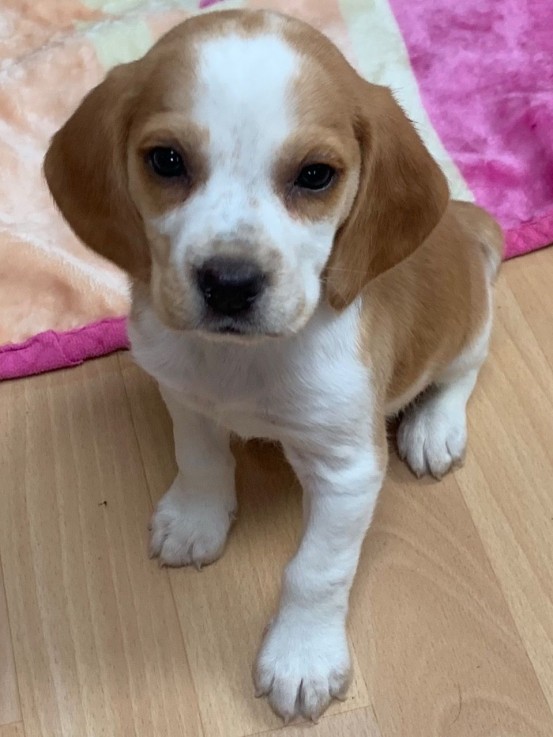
x=302, y=666
x=432, y=437
x=190, y=528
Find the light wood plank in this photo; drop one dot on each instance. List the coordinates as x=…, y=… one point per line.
x=426, y=608
x=530, y=282
x=508, y=479
x=12, y=730
x=9, y=696
x=439, y=649
x=356, y=723
x=97, y=642
x=224, y=609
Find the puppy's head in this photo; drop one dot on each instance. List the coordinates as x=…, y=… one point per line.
x=244, y=171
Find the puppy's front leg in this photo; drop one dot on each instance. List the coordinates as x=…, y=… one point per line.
x=191, y=522
x=304, y=660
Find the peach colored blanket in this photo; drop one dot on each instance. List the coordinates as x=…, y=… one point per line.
x=59, y=302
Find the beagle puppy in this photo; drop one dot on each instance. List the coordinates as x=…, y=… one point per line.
x=299, y=274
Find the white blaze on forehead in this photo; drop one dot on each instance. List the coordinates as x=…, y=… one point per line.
x=242, y=97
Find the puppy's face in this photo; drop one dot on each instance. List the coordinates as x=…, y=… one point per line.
x=242, y=177
x=244, y=171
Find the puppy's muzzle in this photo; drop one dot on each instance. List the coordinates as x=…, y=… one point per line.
x=230, y=286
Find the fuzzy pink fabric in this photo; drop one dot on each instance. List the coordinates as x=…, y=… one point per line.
x=485, y=71
x=52, y=350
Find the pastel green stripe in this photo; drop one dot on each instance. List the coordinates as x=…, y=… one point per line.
x=381, y=57
x=226, y=5
x=121, y=41
x=127, y=38
x=116, y=7
x=113, y=6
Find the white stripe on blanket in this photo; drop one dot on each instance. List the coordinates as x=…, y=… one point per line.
x=381, y=57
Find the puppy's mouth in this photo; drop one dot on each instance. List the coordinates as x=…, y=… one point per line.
x=230, y=330
x=243, y=329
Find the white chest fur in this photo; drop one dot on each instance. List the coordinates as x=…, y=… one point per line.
x=310, y=385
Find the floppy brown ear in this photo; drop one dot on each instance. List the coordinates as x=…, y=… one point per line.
x=86, y=171
x=401, y=197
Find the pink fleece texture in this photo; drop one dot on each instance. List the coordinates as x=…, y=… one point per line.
x=485, y=72
x=50, y=350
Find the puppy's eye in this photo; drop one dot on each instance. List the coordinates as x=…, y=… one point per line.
x=315, y=176
x=166, y=162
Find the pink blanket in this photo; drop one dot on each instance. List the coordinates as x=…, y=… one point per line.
x=485, y=70
x=476, y=77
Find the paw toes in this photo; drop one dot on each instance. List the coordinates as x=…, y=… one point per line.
x=339, y=683
x=437, y=462
x=283, y=699
x=187, y=532
x=157, y=539
x=431, y=442
x=299, y=676
x=314, y=697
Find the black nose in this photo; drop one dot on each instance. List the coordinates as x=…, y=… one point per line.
x=229, y=285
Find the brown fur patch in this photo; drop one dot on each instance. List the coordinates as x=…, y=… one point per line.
x=85, y=168
x=402, y=193
x=316, y=145
x=420, y=315
x=86, y=164
x=157, y=195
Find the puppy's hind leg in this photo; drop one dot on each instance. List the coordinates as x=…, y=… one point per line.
x=432, y=435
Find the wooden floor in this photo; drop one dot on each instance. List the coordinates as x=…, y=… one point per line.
x=452, y=611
